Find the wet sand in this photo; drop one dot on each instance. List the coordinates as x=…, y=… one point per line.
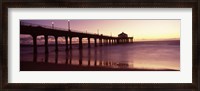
x=41, y=66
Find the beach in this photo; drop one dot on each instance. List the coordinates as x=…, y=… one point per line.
x=137, y=56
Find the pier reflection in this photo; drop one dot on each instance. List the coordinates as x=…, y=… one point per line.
x=35, y=57
x=80, y=56
x=56, y=57
x=46, y=57
x=91, y=57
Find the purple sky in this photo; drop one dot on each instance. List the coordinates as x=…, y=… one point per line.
x=140, y=29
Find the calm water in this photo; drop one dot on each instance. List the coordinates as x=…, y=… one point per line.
x=144, y=55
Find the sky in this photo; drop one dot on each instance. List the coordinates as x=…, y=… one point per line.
x=141, y=30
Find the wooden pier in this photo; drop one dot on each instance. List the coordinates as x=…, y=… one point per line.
x=38, y=30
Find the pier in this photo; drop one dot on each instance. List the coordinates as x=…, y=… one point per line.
x=37, y=30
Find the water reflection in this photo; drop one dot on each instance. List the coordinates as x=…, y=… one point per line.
x=67, y=53
x=93, y=57
x=35, y=57
x=46, y=57
x=100, y=57
x=134, y=56
x=80, y=56
x=89, y=56
x=70, y=57
x=56, y=57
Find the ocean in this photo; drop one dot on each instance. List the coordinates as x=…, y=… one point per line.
x=154, y=55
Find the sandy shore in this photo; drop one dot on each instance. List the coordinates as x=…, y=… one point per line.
x=39, y=66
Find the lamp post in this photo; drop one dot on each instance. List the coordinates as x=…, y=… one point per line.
x=69, y=25
x=52, y=23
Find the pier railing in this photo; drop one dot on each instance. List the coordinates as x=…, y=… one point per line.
x=29, y=28
x=53, y=27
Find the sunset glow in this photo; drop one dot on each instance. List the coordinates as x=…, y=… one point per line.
x=158, y=46
x=141, y=30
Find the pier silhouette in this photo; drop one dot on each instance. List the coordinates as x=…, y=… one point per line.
x=37, y=30
x=92, y=60
x=103, y=53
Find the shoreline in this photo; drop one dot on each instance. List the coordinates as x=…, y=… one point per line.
x=41, y=66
